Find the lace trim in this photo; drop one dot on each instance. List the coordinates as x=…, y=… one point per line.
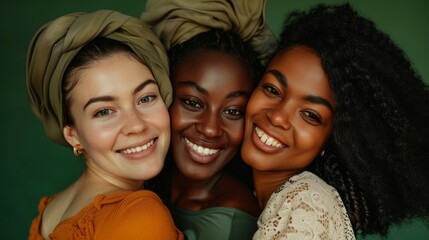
x=305, y=207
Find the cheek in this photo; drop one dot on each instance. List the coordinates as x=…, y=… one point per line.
x=161, y=118
x=181, y=118
x=97, y=136
x=235, y=131
x=311, y=140
x=255, y=103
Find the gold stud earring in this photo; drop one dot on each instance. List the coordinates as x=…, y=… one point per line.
x=322, y=153
x=77, y=150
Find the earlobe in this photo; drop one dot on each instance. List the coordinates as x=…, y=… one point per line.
x=70, y=135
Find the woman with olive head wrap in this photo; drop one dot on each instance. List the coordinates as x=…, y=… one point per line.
x=99, y=83
x=216, y=51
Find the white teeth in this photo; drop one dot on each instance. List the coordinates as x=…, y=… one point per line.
x=201, y=150
x=269, y=141
x=138, y=149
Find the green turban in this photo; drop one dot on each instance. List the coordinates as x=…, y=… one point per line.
x=55, y=44
x=176, y=21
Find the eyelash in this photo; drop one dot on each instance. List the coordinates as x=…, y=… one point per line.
x=102, y=112
x=233, y=113
x=311, y=117
x=270, y=90
x=152, y=97
x=192, y=103
x=308, y=116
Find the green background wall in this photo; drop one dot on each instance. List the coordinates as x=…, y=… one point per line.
x=31, y=166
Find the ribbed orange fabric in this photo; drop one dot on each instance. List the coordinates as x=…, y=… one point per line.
x=124, y=215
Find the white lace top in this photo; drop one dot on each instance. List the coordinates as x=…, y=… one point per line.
x=305, y=207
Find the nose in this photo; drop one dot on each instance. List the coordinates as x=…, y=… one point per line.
x=279, y=116
x=209, y=125
x=133, y=123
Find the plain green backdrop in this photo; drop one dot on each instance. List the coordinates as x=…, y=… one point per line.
x=32, y=166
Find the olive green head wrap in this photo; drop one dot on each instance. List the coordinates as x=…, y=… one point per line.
x=176, y=21
x=55, y=44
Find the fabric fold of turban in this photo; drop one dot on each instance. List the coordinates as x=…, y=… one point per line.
x=176, y=21
x=57, y=42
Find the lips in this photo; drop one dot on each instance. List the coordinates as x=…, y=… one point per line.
x=199, y=153
x=138, y=148
x=200, y=149
x=267, y=140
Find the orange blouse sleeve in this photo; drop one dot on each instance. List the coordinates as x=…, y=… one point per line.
x=141, y=216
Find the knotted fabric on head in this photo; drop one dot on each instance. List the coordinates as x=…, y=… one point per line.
x=55, y=44
x=176, y=21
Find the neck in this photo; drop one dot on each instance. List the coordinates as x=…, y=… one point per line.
x=185, y=190
x=267, y=182
x=103, y=178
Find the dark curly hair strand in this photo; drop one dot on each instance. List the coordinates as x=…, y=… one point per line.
x=377, y=157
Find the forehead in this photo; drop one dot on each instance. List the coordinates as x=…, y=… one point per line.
x=299, y=59
x=111, y=74
x=213, y=69
x=303, y=70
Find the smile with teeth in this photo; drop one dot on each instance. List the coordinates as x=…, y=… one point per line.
x=199, y=149
x=138, y=149
x=267, y=140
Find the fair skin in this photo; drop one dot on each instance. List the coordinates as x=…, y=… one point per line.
x=122, y=123
x=288, y=119
x=211, y=90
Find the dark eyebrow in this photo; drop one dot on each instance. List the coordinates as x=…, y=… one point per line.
x=238, y=94
x=279, y=76
x=143, y=85
x=193, y=85
x=319, y=100
x=204, y=91
x=313, y=99
x=111, y=98
x=99, y=99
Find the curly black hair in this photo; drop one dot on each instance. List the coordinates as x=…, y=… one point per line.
x=377, y=156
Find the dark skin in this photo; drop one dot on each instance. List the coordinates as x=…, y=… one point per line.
x=207, y=122
x=288, y=119
x=224, y=191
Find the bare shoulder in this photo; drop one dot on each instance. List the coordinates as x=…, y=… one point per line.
x=56, y=210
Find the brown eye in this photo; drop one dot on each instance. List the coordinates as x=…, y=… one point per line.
x=311, y=117
x=191, y=103
x=233, y=113
x=270, y=90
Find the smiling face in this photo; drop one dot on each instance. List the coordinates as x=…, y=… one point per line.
x=120, y=119
x=210, y=94
x=289, y=115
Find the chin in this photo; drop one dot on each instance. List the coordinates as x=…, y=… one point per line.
x=255, y=161
x=155, y=167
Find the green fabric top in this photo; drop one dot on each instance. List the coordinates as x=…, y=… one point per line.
x=217, y=223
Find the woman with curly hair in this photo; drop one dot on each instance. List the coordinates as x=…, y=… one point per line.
x=337, y=131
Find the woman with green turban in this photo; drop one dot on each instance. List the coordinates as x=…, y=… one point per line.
x=216, y=49
x=99, y=83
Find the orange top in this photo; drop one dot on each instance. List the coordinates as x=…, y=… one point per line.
x=123, y=215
